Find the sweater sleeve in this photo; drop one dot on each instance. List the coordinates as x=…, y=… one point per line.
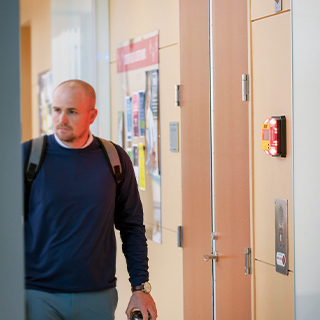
x=129, y=221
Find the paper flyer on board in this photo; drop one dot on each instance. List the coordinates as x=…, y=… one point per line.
x=120, y=129
x=129, y=118
x=135, y=114
x=141, y=114
x=151, y=105
x=142, y=173
x=135, y=157
x=129, y=152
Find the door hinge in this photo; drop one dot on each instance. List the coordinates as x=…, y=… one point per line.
x=177, y=95
x=277, y=5
x=245, y=87
x=247, y=260
x=180, y=236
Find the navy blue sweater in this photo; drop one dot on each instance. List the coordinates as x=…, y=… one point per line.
x=73, y=207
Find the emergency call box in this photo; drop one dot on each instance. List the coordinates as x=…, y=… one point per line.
x=274, y=136
x=281, y=236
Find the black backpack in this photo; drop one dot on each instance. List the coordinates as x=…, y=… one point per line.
x=36, y=156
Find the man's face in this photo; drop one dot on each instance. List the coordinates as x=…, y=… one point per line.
x=71, y=115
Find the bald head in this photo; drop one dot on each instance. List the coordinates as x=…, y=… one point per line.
x=73, y=111
x=80, y=89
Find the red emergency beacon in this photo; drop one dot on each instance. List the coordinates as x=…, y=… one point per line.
x=274, y=136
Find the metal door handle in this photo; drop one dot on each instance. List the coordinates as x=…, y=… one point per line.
x=214, y=256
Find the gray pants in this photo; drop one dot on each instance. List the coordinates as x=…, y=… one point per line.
x=100, y=305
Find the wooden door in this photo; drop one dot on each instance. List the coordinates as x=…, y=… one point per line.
x=231, y=159
x=195, y=158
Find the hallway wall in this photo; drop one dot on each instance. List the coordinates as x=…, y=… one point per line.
x=26, y=86
x=270, y=78
x=35, y=14
x=130, y=19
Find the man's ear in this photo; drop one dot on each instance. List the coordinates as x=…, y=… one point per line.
x=93, y=115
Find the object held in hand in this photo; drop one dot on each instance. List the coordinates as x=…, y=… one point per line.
x=137, y=315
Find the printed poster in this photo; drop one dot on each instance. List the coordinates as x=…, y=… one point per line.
x=135, y=156
x=120, y=129
x=135, y=111
x=152, y=153
x=154, y=93
x=129, y=118
x=129, y=152
x=142, y=173
x=142, y=115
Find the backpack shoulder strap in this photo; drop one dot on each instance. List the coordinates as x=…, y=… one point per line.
x=33, y=164
x=36, y=156
x=113, y=158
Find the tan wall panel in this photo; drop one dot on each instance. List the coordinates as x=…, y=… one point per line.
x=271, y=65
x=231, y=159
x=41, y=39
x=169, y=74
x=26, y=8
x=26, y=99
x=274, y=293
x=142, y=17
x=263, y=8
x=195, y=150
x=162, y=260
x=37, y=14
x=129, y=20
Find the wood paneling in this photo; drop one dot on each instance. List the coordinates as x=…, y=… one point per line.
x=263, y=8
x=26, y=92
x=274, y=293
x=195, y=150
x=165, y=263
x=271, y=60
x=169, y=75
x=272, y=177
x=143, y=17
x=231, y=159
x=37, y=15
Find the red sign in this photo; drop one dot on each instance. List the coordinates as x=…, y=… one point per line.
x=138, y=55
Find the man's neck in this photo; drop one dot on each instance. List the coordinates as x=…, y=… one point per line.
x=81, y=146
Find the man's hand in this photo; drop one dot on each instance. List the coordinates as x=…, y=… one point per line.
x=144, y=303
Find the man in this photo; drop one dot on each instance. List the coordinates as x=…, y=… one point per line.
x=74, y=204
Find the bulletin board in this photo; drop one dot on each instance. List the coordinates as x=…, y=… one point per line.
x=138, y=121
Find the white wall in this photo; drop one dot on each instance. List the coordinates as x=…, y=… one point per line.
x=11, y=243
x=306, y=156
x=80, y=50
